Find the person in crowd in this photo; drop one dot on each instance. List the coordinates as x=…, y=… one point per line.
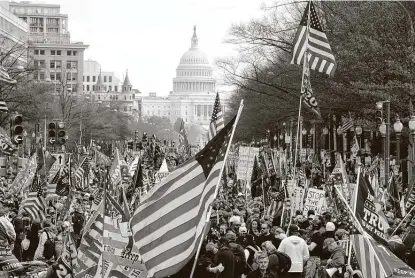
x=205, y=267
x=395, y=243
x=315, y=247
x=33, y=236
x=265, y=234
x=252, y=249
x=296, y=248
x=411, y=257
x=262, y=260
x=337, y=259
x=7, y=233
x=225, y=259
x=271, y=251
x=409, y=237
x=254, y=228
x=238, y=252
x=20, y=235
x=46, y=249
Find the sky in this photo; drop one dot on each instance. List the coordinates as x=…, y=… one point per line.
x=148, y=37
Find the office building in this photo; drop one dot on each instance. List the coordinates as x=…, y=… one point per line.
x=92, y=69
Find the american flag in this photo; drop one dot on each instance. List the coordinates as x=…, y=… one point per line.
x=344, y=212
x=168, y=223
x=79, y=176
x=345, y=243
x=133, y=166
x=217, y=121
x=347, y=123
x=184, y=146
x=276, y=206
x=355, y=146
x=5, y=78
x=34, y=204
x=3, y=106
x=314, y=41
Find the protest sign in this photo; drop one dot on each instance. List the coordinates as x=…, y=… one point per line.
x=297, y=199
x=246, y=158
x=314, y=201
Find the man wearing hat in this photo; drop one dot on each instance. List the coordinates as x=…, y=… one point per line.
x=296, y=248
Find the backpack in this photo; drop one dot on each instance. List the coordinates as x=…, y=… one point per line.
x=49, y=248
x=284, y=262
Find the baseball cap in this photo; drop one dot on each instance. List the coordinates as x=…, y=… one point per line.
x=293, y=228
x=330, y=227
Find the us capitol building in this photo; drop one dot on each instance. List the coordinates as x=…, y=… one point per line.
x=193, y=94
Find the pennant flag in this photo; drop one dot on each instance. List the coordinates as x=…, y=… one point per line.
x=168, y=223
x=24, y=177
x=133, y=165
x=313, y=40
x=217, y=121
x=307, y=94
x=184, y=146
x=162, y=172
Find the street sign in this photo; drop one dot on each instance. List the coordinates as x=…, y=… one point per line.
x=59, y=162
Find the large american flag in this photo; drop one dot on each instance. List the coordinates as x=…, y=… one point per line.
x=355, y=146
x=79, y=176
x=217, y=121
x=277, y=204
x=347, y=124
x=314, y=41
x=167, y=226
x=34, y=204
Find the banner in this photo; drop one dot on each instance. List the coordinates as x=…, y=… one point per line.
x=246, y=159
x=25, y=177
x=369, y=211
x=68, y=258
x=314, y=201
x=298, y=197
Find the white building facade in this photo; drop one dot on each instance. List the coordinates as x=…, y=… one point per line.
x=92, y=69
x=193, y=94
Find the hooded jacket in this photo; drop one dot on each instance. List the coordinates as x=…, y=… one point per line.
x=296, y=248
x=397, y=247
x=338, y=257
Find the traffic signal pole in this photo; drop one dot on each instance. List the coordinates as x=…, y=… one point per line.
x=387, y=142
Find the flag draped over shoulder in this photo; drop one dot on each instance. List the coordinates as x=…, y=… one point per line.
x=314, y=42
x=167, y=226
x=217, y=120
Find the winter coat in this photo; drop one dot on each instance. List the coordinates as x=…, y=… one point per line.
x=338, y=257
x=296, y=248
x=397, y=247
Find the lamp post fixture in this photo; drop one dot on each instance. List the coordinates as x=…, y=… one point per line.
x=412, y=129
x=398, y=126
x=313, y=132
x=359, y=130
x=325, y=132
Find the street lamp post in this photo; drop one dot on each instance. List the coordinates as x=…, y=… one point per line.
x=313, y=144
x=397, y=126
x=382, y=130
x=359, y=130
x=412, y=129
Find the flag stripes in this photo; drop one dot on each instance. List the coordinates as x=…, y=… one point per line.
x=355, y=146
x=35, y=206
x=169, y=222
x=347, y=124
x=3, y=106
x=217, y=121
x=314, y=42
x=365, y=256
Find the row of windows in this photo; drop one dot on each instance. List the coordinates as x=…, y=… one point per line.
x=56, y=64
x=56, y=52
x=56, y=76
x=193, y=73
x=89, y=88
x=94, y=78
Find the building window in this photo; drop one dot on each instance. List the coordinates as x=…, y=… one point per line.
x=105, y=79
x=69, y=53
x=58, y=76
x=40, y=64
x=185, y=113
x=52, y=76
x=110, y=88
x=133, y=96
x=36, y=52
x=116, y=88
x=87, y=78
x=58, y=52
x=74, y=53
x=110, y=78
x=52, y=64
x=198, y=110
x=71, y=64
x=41, y=52
x=53, y=52
x=94, y=78
x=42, y=76
x=205, y=110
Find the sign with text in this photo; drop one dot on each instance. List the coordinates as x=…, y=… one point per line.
x=314, y=201
x=246, y=162
x=297, y=199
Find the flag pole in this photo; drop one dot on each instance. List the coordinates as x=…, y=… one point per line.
x=104, y=203
x=406, y=216
x=241, y=105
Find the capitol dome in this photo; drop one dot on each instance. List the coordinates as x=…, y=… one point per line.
x=194, y=73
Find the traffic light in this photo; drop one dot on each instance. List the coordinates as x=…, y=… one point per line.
x=61, y=138
x=130, y=145
x=136, y=136
x=52, y=133
x=144, y=139
x=379, y=113
x=17, y=128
